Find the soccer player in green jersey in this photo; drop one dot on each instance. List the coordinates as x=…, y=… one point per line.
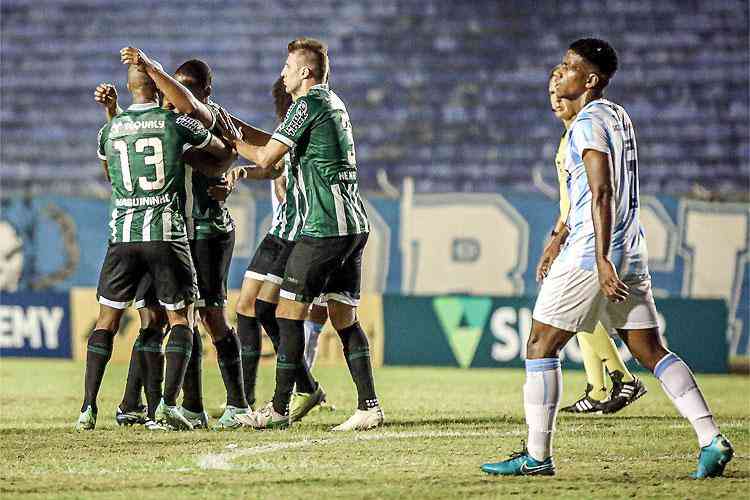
x=327, y=258
x=141, y=150
x=259, y=295
x=211, y=232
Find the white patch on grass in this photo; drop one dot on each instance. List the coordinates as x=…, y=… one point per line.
x=223, y=461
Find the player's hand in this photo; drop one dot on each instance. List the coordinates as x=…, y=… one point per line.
x=106, y=95
x=614, y=289
x=227, y=127
x=135, y=56
x=551, y=251
x=221, y=191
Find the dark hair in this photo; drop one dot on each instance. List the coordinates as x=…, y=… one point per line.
x=316, y=55
x=281, y=100
x=599, y=53
x=197, y=71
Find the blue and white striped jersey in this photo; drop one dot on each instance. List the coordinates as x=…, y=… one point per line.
x=605, y=126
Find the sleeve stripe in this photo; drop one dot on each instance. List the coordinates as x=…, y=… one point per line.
x=204, y=143
x=283, y=139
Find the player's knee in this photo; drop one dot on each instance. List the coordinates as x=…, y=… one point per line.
x=109, y=319
x=541, y=345
x=342, y=315
x=215, y=322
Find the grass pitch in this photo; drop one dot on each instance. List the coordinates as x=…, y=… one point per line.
x=442, y=424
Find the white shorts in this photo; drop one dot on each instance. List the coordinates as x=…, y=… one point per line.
x=571, y=299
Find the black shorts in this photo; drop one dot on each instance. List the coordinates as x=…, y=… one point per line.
x=329, y=266
x=270, y=259
x=167, y=262
x=211, y=258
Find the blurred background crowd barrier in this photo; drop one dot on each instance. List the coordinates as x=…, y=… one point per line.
x=455, y=144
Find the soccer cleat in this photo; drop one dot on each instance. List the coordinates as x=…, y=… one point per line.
x=303, y=402
x=521, y=464
x=172, y=417
x=713, y=458
x=362, y=420
x=264, y=418
x=586, y=404
x=152, y=425
x=132, y=417
x=228, y=419
x=623, y=393
x=199, y=419
x=86, y=420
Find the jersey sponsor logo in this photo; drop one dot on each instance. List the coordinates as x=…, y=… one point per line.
x=191, y=124
x=143, y=201
x=128, y=127
x=293, y=123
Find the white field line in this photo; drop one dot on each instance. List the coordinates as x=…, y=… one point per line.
x=223, y=460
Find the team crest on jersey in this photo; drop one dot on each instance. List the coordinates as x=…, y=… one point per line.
x=293, y=123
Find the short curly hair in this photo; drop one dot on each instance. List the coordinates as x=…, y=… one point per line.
x=599, y=53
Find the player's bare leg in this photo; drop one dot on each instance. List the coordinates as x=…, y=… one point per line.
x=98, y=353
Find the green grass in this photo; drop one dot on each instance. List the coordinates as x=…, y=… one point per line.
x=442, y=424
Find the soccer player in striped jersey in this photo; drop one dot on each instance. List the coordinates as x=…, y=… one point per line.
x=327, y=258
x=602, y=272
x=141, y=150
x=211, y=231
x=259, y=295
x=597, y=348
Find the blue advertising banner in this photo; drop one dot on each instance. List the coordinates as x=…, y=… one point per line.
x=491, y=332
x=420, y=244
x=35, y=324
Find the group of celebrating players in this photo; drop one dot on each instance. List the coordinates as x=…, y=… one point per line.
x=171, y=241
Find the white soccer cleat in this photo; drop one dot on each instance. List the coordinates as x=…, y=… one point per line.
x=265, y=418
x=362, y=420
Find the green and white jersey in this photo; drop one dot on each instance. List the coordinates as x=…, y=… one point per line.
x=143, y=148
x=204, y=216
x=289, y=215
x=319, y=133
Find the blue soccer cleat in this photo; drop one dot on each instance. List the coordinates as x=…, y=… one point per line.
x=521, y=464
x=713, y=458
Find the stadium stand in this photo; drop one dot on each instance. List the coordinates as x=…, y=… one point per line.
x=451, y=94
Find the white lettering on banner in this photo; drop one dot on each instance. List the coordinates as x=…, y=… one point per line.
x=661, y=234
x=715, y=248
x=36, y=325
x=479, y=242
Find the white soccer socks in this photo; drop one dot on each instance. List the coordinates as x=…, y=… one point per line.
x=678, y=382
x=541, y=398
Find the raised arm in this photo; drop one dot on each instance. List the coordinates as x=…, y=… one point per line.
x=106, y=95
x=182, y=99
x=600, y=181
